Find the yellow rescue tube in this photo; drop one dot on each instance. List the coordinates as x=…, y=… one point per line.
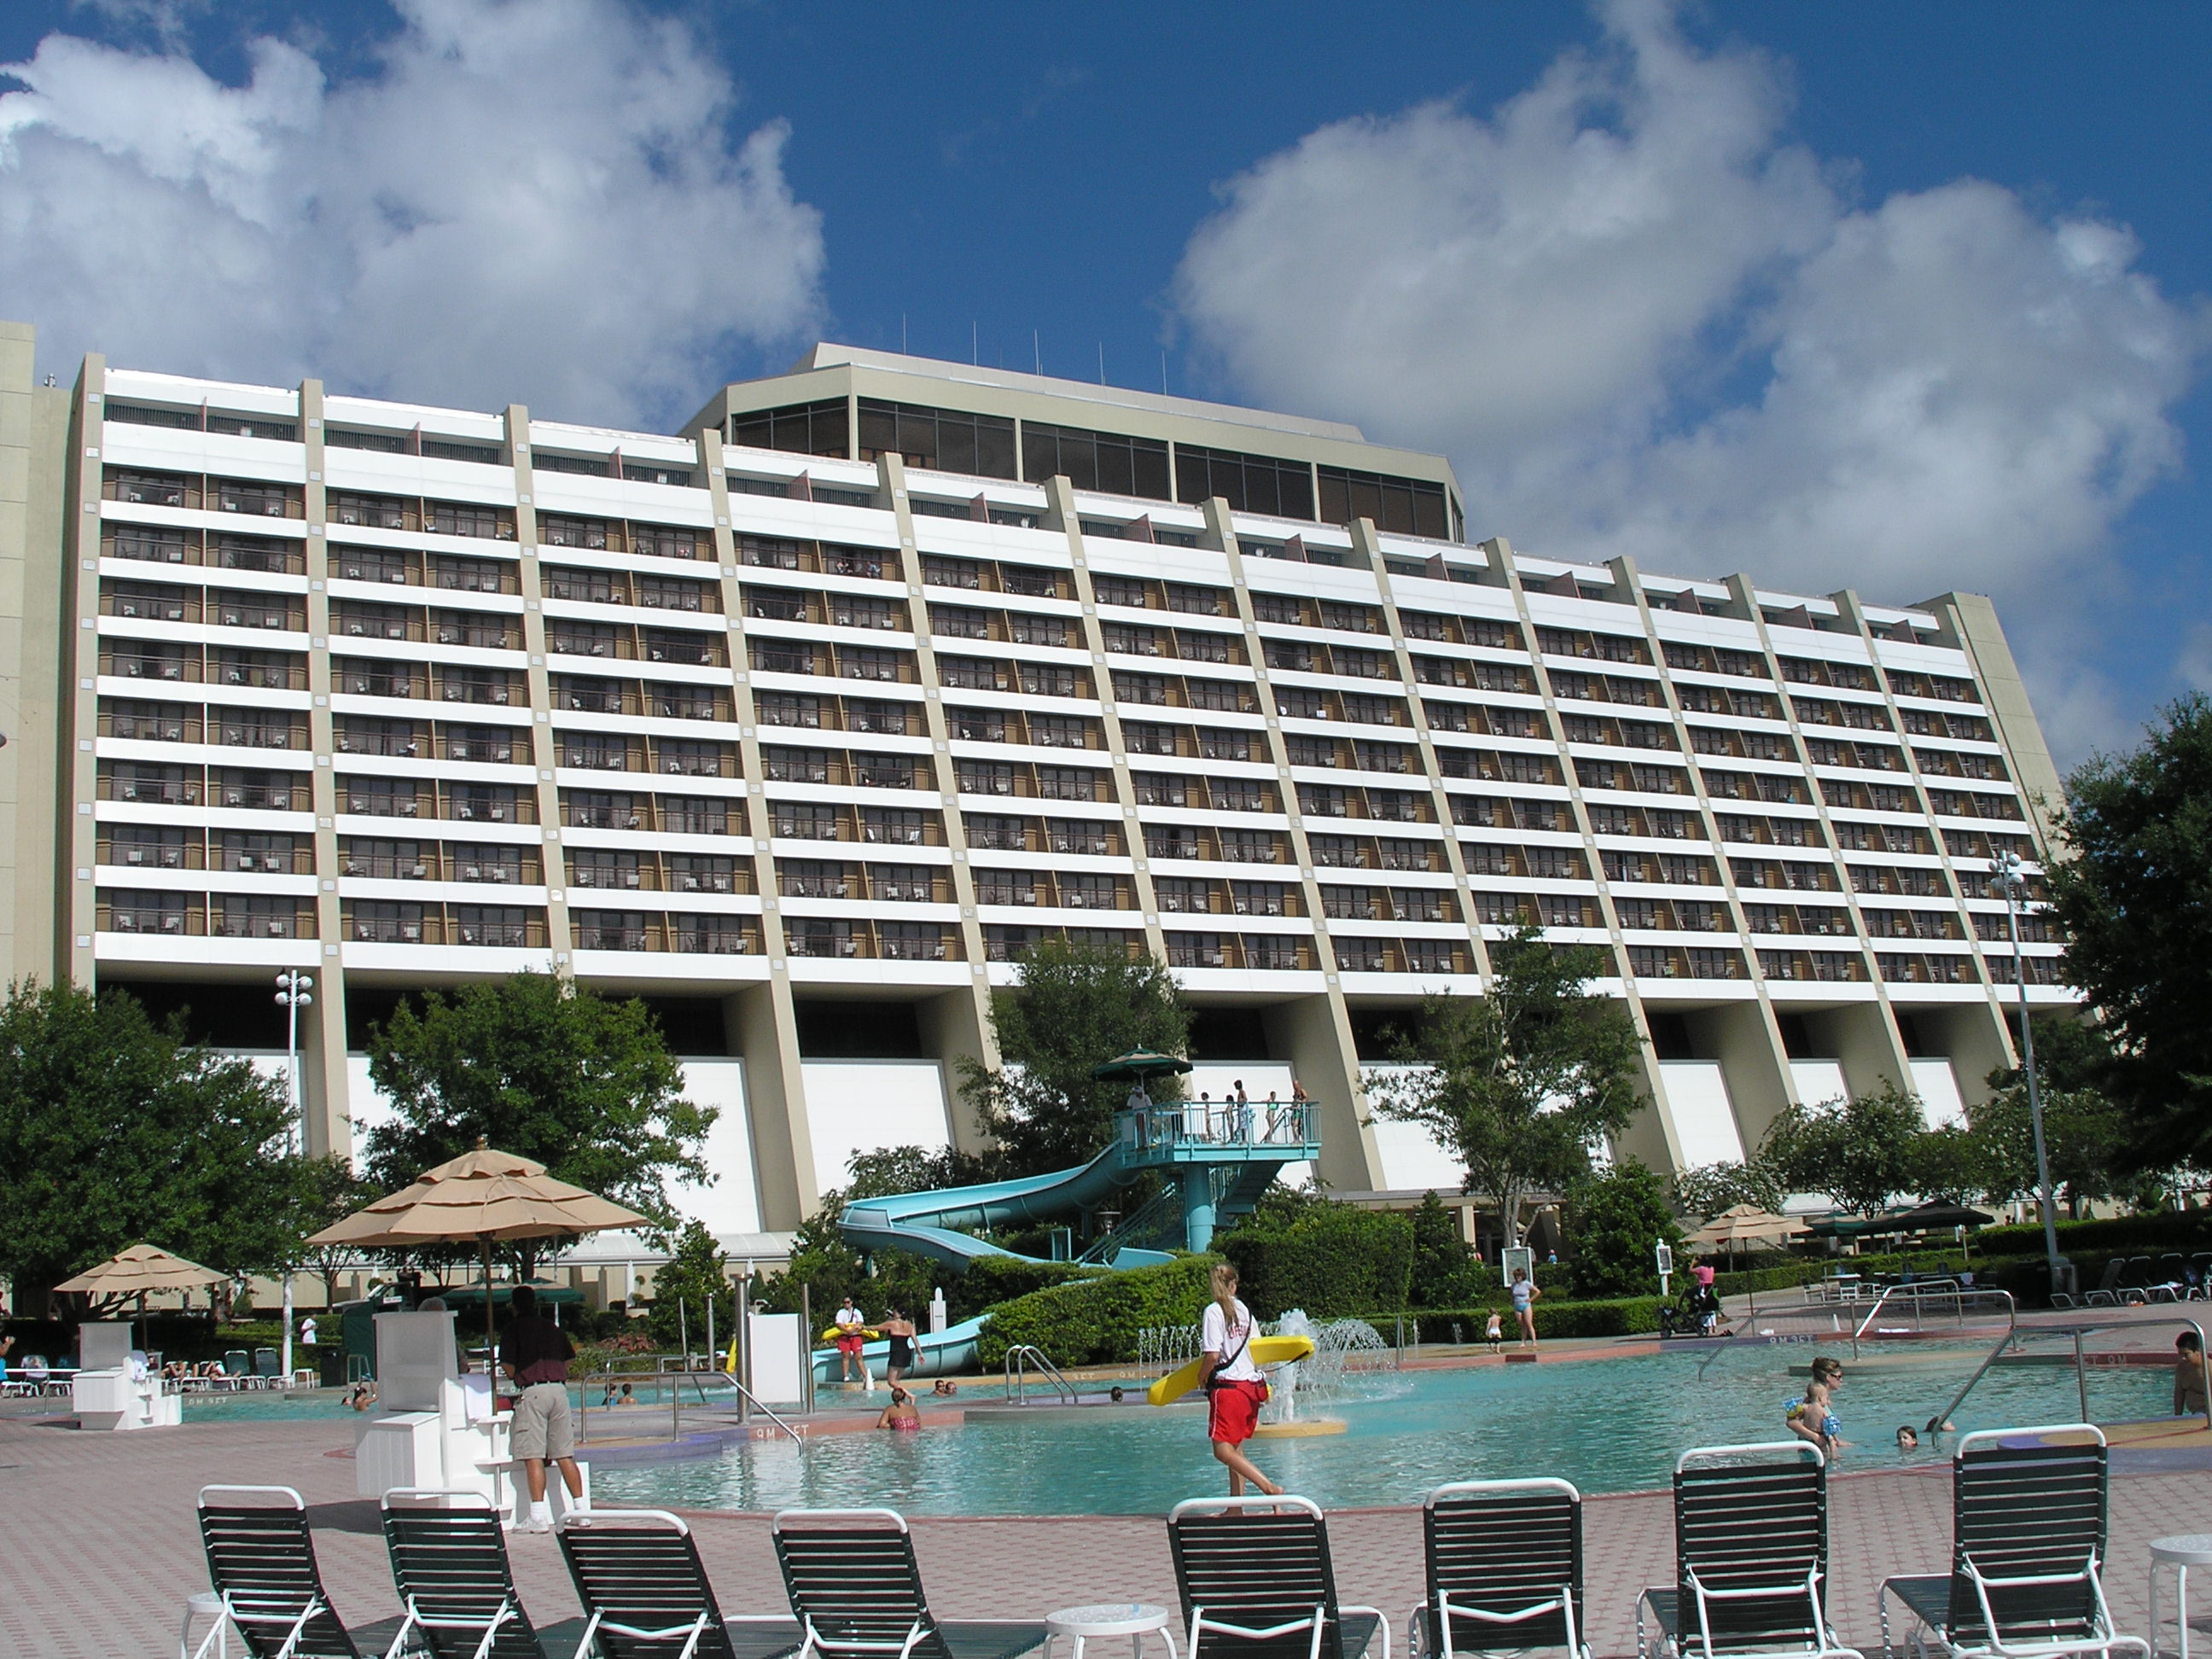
x=835, y=1331
x=1265, y=1351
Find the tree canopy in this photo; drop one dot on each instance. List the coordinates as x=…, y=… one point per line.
x=114, y=1130
x=1862, y=1152
x=2135, y=903
x=1615, y=1217
x=695, y=1277
x=1521, y=1083
x=538, y=1066
x=1071, y=1007
x=1704, y=1190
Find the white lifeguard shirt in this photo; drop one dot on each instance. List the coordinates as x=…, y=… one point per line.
x=1217, y=1335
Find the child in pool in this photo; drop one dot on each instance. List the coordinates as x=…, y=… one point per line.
x=1814, y=1418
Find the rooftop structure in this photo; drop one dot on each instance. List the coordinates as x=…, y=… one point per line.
x=806, y=721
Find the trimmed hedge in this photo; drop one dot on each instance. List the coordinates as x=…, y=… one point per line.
x=2135, y=1234
x=1627, y=1315
x=1330, y=1261
x=1095, y=1321
x=992, y=1280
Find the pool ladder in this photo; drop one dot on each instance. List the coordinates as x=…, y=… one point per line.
x=1020, y=1359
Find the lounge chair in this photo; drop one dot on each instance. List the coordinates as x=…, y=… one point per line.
x=449, y=1565
x=645, y=1593
x=2106, y=1295
x=857, y=1591
x=1505, y=1570
x=2027, y=1544
x=1256, y=1583
x=1751, y=1558
x=262, y=1563
x=238, y=1367
x=267, y=1372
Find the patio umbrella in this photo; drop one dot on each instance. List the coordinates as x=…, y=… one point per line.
x=1746, y=1223
x=140, y=1268
x=1139, y=1064
x=1934, y=1217
x=483, y=1195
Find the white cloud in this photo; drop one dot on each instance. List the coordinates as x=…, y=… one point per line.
x=531, y=200
x=1642, y=321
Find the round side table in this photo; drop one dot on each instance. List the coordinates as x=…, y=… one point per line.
x=1134, y=1620
x=206, y=1604
x=2181, y=1552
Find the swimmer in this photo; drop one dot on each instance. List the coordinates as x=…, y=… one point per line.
x=1907, y=1438
x=1814, y=1417
x=362, y=1397
x=900, y=1413
x=945, y=1388
x=2188, y=1374
x=1114, y=1394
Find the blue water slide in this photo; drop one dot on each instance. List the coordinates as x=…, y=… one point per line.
x=927, y=1224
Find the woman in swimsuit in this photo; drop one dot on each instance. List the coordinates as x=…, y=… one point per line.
x=900, y=1413
x=898, y=1334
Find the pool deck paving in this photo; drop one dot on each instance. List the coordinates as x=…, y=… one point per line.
x=101, y=1548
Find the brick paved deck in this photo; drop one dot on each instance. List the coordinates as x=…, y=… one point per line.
x=99, y=1546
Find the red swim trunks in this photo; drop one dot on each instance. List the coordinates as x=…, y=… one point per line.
x=850, y=1344
x=1233, y=1411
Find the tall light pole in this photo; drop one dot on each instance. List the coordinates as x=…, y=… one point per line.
x=2009, y=881
x=292, y=993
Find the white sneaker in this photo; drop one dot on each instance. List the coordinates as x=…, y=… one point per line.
x=534, y=1523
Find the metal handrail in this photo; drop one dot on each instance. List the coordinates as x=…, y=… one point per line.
x=676, y=1380
x=1922, y=1290
x=2081, y=1361
x=1019, y=1357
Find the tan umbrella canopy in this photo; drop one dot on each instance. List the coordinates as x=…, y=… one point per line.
x=483, y=1195
x=1746, y=1223
x=140, y=1268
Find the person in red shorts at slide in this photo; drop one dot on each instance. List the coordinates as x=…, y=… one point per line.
x=851, y=1332
x=1235, y=1390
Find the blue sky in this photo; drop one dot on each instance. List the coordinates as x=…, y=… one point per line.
x=1895, y=295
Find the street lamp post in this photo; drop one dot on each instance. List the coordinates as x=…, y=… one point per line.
x=292, y=989
x=2009, y=882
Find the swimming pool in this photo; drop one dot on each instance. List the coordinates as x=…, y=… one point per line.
x=1605, y=1424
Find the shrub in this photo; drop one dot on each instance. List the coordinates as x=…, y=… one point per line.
x=1332, y=1260
x=992, y=1280
x=2137, y=1234
x=1441, y=1256
x=1617, y=1316
x=1095, y=1321
x=1614, y=1219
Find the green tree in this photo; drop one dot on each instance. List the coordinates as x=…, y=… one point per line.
x=537, y=1066
x=114, y=1130
x=2135, y=901
x=1949, y=1164
x=695, y=1276
x=2085, y=1137
x=323, y=1191
x=1706, y=1190
x=1521, y=1083
x=1615, y=1218
x=1862, y=1154
x=1073, y=1007
x=1440, y=1255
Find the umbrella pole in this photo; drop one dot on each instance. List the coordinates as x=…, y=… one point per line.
x=485, y=1240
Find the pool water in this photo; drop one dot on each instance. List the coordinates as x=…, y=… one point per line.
x=1605, y=1424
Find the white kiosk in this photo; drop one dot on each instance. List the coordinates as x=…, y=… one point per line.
x=435, y=1427
x=114, y=1388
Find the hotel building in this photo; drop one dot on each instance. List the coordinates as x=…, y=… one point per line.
x=805, y=720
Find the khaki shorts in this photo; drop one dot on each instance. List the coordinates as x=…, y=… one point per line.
x=541, y=1428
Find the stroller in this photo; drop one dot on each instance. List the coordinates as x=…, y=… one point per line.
x=1697, y=1314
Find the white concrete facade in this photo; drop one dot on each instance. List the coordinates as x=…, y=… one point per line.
x=816, y=742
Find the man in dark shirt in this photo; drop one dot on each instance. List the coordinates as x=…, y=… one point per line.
x=535, y=1352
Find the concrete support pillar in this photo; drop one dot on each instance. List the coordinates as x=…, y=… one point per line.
x=1864, y=1041
x=1746, y=1041
x=327, y=1127
x=956, y=1027
x=1315, y=1034
x=763, y=1027
x=1974, y=1039
x=1196, y=1181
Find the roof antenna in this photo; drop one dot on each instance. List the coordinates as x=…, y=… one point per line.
x=1163, y=375
x=903, y=334
x=974, y=344
x=1102, y=362
x=1037, y=347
